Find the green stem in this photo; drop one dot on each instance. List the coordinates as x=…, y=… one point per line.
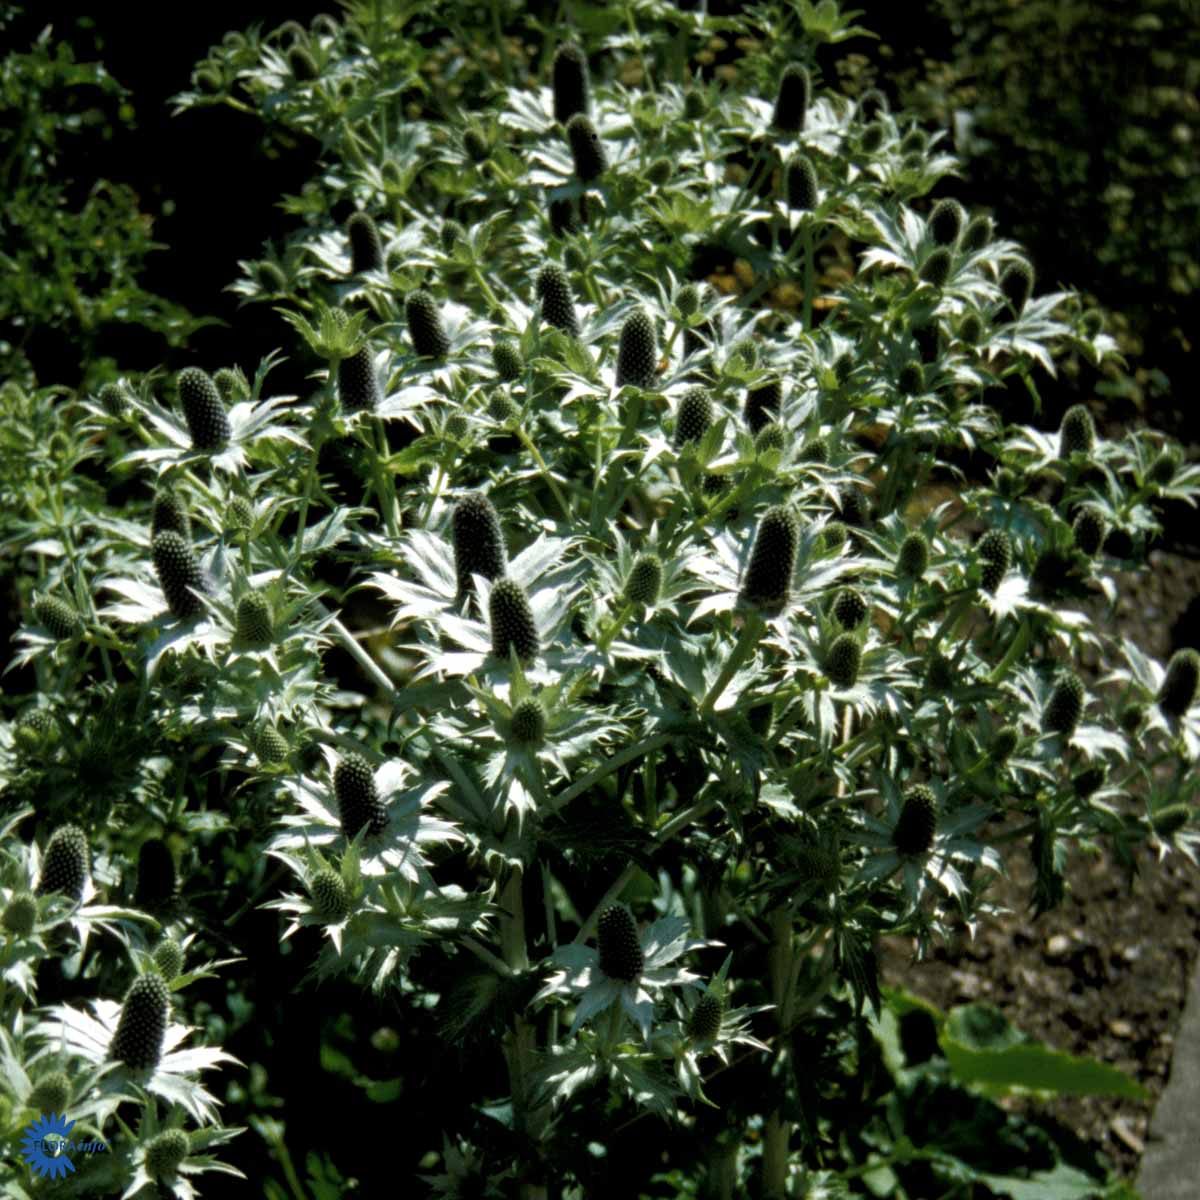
x=310, y=483
x=752, y=628
x=384, y=484
x=777, y=1134
x=609, y=765
x=1015, y=649
x=360, y=656
x=544, y=470
x=807, y=240
x=614, y=628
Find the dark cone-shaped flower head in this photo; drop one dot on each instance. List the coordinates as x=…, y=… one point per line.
x=704, y=1023
x=478, y=540
x=637, y=357
x=1004, y=743
x=800, y=179
x=501, y=409
x=791, y=103
x=763, y=404
x=239, y=514
x=687, y=300
x=563, y=219
x=51, y=1093
x=977, y=234
x=113, y=399
x=768, y=581
x=695, y=417
x=913, y=559
x=168, y=959
x=1016, y=282
x=936, y=269
x=570, y=82
x=453, y=232
x=970, y=329
x=1131, y=717
x=255, y=623
x=166, y=1151
x=528, y=722
x=917, y=825
x=203, y=410
x=833, y=535
x=513, y=626
x=302, y=64
x=1089, y=781
x=872, y=137
x=871, y=103
x=170, y=512
x=330, y=896
x=476, y=146
x=554, y=292
x=271, y=746
x=1163, y=468
x=853, y=507
x=366, y=250
x=816, y=451
x=772, y=436
x=946, y=221
x=1180, y=682
x=66, y=863
x=849, y=608
x=1077, y=433
x=939, y=674
x=357, y=383
x=506, y=358
x=1065, y=705
x=143, y=1024
x=178, y=574
x=645, y=579
x=844, y=661
x=20, y=915
x=911, y=380
x=359, y=805
x=425, y=325
x=587, y=150
x=621, y=956
x=57, y=617
x=995, y=553
x=1088, y=531
x=157, y=881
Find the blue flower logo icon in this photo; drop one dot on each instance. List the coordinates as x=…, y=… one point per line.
x=42, y=1139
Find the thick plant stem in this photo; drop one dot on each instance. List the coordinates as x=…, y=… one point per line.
x=1015, y=650
x=807, y=237
x=747, y=640
x=777, y=1133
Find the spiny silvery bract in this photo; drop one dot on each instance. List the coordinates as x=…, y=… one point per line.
x=1088, y=531
x=1016, y=282
x=66, y=863
x=330, y=896
x=768, y=581
x=913, y=558
x=1180, y=682
x=57, y=617
x=271, y=746
x=645, y=579
x=168, y=958
x=113, y=399
x=911, y=380
x=763, y=403
x=170, y=512
x=254, y=620
x=704, y=1021
x=179, y=574
x=528, y=722
x=512, y=623
x=366, y=250
x=917, y=823
x=1004, y=743
x=143, y=1024
x=506, y=358
x=203, y=410
x=1077, y=433
x=995, y=555
x=157, y=881
x=554, y=292
x=357, y=383
x=621, y=956
x=1065, y=705
x=946, y=221
x=977, y=234
x=570, y=82
x=844, y=660
x=695, y=417
x=849, y=608
x=359, y=805
x=20, y=914
x=51, y=1093
x=165, y=1153
x=791, y=102
x=232, y=384
x=801, y=184
x=425, y=325
x=637, y=355
x=587, y=150
x=935, y=270
x=478, y=540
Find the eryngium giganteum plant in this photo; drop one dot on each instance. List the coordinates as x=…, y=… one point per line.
x=612, y=655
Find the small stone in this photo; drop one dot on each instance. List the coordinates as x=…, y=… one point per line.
x=1058, y=946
